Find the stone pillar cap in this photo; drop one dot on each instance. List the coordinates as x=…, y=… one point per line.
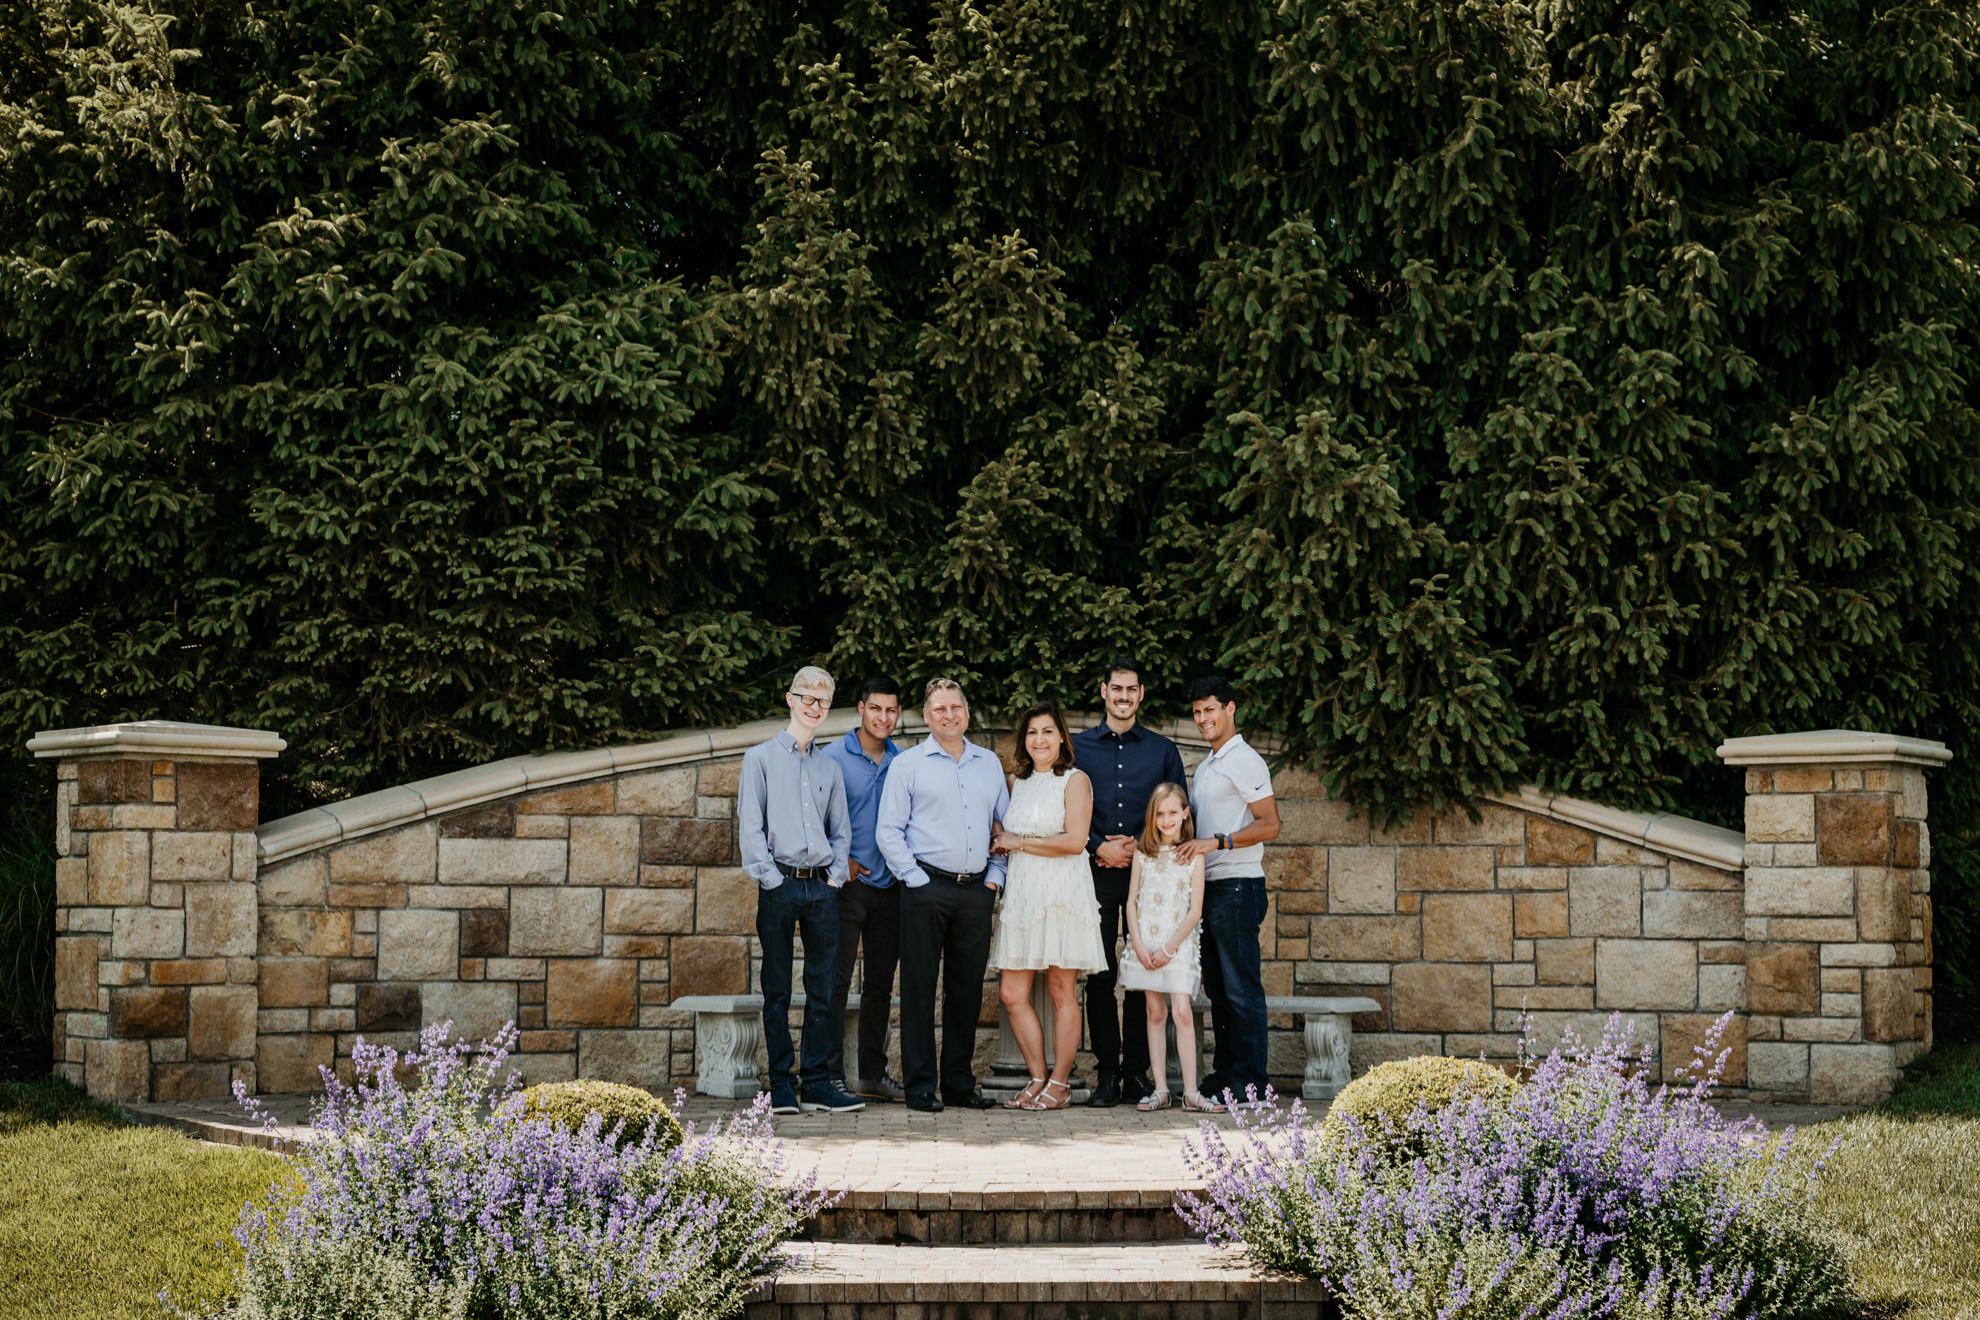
x=167, y=738
x=1833, y=747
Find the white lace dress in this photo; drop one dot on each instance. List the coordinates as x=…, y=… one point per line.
x=1049, y=917
x=1160, y=906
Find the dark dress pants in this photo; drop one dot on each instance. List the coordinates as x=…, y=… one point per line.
x=945, y=928
x=869, y=924
x=1233, y=978
x=807, y=910
x=1119, y=1033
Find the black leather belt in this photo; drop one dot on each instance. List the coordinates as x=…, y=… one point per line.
x=953, y=877
x=804, y=872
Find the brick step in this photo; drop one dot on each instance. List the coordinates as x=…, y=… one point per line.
x=1148, y=1281
x=1013, y=1219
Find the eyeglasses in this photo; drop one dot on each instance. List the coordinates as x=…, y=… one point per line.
x=810, y=702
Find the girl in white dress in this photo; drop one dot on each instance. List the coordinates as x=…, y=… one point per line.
x=1049, y=920
x=1164, y=906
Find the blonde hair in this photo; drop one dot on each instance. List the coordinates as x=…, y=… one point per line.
x=943, y=685
x=811, y=676
x=1151, y=837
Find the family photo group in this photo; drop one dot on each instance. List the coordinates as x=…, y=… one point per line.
x=1078, y=853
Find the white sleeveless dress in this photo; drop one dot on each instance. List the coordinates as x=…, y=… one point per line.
x=1049, y=917
x=1161, y=903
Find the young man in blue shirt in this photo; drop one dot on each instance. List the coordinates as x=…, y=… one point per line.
x=870, y=906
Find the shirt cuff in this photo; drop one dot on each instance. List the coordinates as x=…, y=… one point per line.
x=766, y=877
x=914, y=879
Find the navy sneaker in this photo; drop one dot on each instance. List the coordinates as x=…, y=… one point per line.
x=828, y=1098
x=783, y=1098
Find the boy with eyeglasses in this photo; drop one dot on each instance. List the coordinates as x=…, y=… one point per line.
x=796, y=835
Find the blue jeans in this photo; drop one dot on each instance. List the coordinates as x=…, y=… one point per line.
x=1233, y=910
x=806, y=909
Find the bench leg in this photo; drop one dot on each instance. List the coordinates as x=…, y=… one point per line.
x=727, y=1044
x=1327, y=1036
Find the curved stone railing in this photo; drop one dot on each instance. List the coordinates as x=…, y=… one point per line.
x=582, y=894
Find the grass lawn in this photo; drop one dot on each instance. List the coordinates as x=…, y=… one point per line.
x=97, y=1215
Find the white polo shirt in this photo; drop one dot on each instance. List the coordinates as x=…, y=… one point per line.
x=1227, y=782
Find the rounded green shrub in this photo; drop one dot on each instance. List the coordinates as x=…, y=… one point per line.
x=570, y=1103
x=1384, y=1097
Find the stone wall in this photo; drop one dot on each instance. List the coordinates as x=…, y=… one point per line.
x=582, y=894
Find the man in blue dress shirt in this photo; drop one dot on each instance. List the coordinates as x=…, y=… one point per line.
x=869, y=907
x=1126, y=763
x=943, y=800
x=796, y=836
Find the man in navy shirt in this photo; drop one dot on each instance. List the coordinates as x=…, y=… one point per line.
x=1126, y=763
x=869, y=907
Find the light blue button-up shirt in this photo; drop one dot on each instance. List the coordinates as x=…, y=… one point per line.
x=940, y=810
x=791, y=808
x=864, y=782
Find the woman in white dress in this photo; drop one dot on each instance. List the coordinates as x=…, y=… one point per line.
x=1050, y=921
x=1164, y=910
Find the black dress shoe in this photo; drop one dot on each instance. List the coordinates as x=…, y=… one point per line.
x=924, y=1104
x=970, y=1100
x=1107, y=1091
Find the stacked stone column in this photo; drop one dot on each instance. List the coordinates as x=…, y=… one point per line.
x=1838, y=910
x=155, y=916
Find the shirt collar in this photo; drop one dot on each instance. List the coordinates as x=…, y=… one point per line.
x=784, y=742
x=1133, y=734
x=929, y=747
x=852, y=744
x=1236, y=740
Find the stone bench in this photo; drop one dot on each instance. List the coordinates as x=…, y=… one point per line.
x=728, y=1028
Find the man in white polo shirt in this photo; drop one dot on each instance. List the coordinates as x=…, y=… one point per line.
x=1236, y=816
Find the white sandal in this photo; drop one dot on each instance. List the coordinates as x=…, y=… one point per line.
x=1153, y=1101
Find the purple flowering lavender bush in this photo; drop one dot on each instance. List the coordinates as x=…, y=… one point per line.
x=445, y=1198
x=1585, y=1193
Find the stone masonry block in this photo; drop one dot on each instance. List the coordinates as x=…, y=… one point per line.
x=406, y=856
x=1540, y=916
x=485, y=933
x=1495, y=825
x=1551, y=843
x=1850, y=1074
x=592, y=992
x=1683, y=1037
x=293, y=982
x=1780, y=818
x=1361, y=880
x=555, y=921
x=587, y=799
x=108, y=781
x=1883, y=903
x=1777, y=1067
x=219, y=795
x=418, y=944
x=147, y=1012
x=1467, y=927
x=685, y=842
x=1646, y=974
x=1800, y=891
x=1441, y=997
x=1365, y=939
x=222, y=1022
x=709, y=965
x=1890, y=1004
x=1782, y=979
x=75, y=971
x=1693, y=914
x=207, y=855
x=1605, y=900
x=477, y=1009
x=1853, y=829
x=148, y=933
x=285, y=1065
x=221, y=920
x=298, y=883
x=295, y=932
x=604, y=850
x=490, y=820
x=1445, y=869
x=1311, y=821
x=649, y=911
x=628, y=1057
x=118, y=1070
x=388, y=1008
x=657, y=792
x=725, y=901
x=502, y=861
x=119, y=867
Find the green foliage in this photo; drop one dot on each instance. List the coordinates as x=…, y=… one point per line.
x=1500, y=392
x=27, y=945
x=1383, y=1098
x=569, y=1104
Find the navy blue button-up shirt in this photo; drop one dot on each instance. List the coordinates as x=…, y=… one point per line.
x=864, y=782
x=1125, y=769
